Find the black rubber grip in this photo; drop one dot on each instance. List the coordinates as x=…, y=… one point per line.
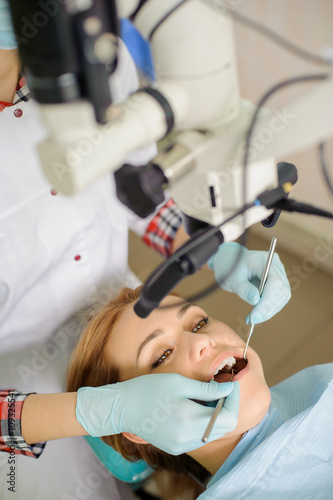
x=169, y=115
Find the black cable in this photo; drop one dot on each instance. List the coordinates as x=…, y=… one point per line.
x=263, y=30
x=275, y=37
x=302, y=208
x=243, y=239
x=262, y=101
x=305, y=78
x=137, y=10
x=182, y=252
x=324, y=168
x=166, y=16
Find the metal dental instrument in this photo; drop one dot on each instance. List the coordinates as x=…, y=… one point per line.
x=261, y=287
x=215, y=413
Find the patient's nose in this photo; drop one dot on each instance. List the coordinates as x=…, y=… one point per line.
x=200, y=346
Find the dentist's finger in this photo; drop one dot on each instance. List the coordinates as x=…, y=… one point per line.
x=207, y=391
x=228, y=416
x=275, y=296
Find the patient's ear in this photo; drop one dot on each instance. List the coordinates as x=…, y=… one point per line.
x=134, y=438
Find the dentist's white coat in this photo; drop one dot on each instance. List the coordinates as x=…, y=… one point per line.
x=57, y=254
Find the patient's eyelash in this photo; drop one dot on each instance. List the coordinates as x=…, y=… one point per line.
x=201, y=325
x=162, y=359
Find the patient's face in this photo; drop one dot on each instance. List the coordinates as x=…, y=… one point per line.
x=182, y=339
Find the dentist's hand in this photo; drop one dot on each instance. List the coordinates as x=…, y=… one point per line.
x=158, y=408
x=249, y=270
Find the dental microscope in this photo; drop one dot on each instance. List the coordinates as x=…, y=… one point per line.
x=209, y=165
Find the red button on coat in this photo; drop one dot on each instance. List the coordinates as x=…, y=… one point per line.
x=78, y=257
x=54, y=192
x=18, y=113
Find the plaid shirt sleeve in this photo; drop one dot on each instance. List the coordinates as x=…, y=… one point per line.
x=22, y=94
x=11, y=441
x=162, y=229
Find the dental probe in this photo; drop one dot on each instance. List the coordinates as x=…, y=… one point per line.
x=215, y=413
x=261, y=287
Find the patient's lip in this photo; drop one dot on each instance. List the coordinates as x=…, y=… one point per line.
x=219, y=360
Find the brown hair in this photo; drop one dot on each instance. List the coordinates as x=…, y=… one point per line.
x=89, y=366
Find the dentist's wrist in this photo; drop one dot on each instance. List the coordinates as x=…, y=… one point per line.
x=50, y=416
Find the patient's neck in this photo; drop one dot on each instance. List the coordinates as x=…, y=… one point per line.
x=9, y=74
x=213, y=455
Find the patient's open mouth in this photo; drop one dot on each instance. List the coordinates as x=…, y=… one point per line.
x=229, y=368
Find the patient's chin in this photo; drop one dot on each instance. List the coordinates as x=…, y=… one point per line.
x=253, y=408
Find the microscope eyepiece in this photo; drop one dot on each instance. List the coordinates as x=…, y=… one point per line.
x=56, y=47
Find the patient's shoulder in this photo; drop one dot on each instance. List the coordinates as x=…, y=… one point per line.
x=303, y=389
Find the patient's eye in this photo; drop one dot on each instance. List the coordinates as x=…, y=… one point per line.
x=162, y=358
x=201, y=325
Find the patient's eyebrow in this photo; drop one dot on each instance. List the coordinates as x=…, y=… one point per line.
x=182, y=311
x=150, y=337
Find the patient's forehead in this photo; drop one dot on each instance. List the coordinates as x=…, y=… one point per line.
x=130, y=326
x=167, y=308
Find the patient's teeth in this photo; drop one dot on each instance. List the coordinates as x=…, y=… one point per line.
x=227, y=363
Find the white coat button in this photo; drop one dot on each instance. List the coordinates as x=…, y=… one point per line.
x=18, y=113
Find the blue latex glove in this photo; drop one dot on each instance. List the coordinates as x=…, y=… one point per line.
x=7, y=35
x=158, y=409
x=247, y=275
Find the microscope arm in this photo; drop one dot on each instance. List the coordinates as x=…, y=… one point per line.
x=196, y=97
x=196, y=88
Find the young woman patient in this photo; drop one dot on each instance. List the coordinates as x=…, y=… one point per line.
x=117, y=346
